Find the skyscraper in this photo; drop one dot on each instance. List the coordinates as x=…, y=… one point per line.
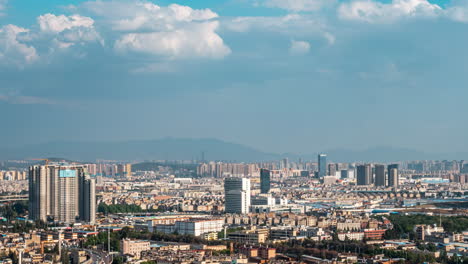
x=322, y=165
x=332, y=169
x=237, y=195
x=265, y=181
x=380, y=179
x=364, y=174
x=393, y=177
x=57, y=191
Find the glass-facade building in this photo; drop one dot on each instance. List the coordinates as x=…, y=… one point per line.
x=322, y=165
x=265, y=176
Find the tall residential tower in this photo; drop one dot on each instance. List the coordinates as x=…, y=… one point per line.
x=60, y=191
x=393, y=177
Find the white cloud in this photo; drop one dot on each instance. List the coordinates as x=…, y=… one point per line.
x=13, y=52
x=299, y=47
x=173, y=31
x=56, y=24
x=198, y=40
x=330, y=38
x=68, y=30
x=373, y=11
x=285, y=24
x=291, y=25
x=299, y=5
x=458, y=11
x=142, y=15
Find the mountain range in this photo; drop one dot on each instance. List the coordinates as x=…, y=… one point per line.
x=192, y=149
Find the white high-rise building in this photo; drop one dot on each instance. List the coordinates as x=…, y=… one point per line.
x=237, y=195
x=62, y=192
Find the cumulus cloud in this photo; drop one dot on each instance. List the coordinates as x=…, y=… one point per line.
x=142, y=15
x=299, y=47
x=68, y=30
x=373, y=11
x=56, y=24
x=12, y=50
x=199, y=40
x=298, y=5
x=173, y=31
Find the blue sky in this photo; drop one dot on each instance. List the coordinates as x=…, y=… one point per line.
x=282, y=76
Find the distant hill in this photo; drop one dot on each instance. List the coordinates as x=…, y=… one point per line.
x=214, y=149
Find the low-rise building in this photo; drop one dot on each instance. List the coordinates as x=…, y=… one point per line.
x=134, y=247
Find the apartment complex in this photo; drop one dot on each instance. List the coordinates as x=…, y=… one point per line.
x=61, y=191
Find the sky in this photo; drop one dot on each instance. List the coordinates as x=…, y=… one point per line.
x=298, y=76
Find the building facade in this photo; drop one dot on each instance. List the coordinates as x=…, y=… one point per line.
x=322, y=165
x=237, y=195
x=60, y=192
x=380, y=179
x=265, y=177
x=393, y=177
x=364, y=174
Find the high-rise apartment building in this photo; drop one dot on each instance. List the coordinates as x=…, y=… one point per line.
x=63, y=192
x=380, y=179
x=128, y=170
x=265, y=177
x=87, y=204
x=364, y=174
x=322, y=165
x=237, y=195
x=393, y=177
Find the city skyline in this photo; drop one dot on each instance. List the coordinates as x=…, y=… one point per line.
x=233, y=131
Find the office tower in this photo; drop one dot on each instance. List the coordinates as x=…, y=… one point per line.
x=364, y=174
x=237, y=195
x=332, y=169
x=322, y=165
x=265, y=181
x=58, y=191
x=393, y=177
x=380, y=175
